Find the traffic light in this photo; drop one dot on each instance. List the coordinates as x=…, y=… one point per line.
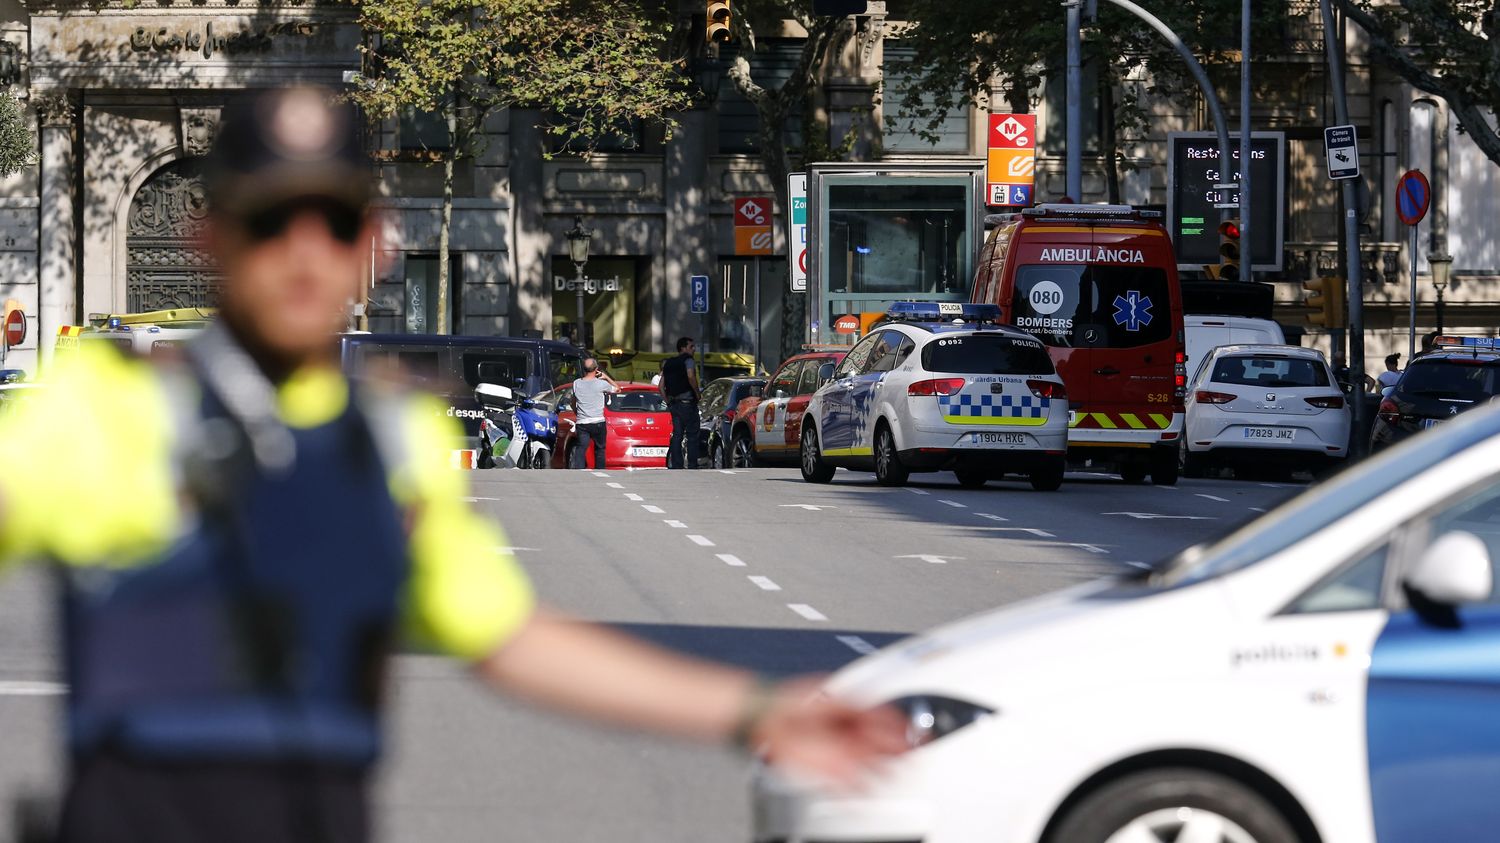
x=1229, y=251
x=718, y=21
x=1326, y=298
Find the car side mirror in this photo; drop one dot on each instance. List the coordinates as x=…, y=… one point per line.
x=825, y=373
x=493, y=394
x=1454, y=571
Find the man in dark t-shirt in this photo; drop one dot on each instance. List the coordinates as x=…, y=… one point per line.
x=679, y=385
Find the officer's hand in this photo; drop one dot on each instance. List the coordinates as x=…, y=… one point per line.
x=808, y=731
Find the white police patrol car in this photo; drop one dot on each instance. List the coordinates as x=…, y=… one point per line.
x=940, y=387
x=1329, y=673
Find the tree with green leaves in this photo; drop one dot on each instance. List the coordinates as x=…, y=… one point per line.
x=594, y=67
x=17, y=141
x=1448, y=48
x=962, y=49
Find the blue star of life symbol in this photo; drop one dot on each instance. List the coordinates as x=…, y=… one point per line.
x=1133, y=310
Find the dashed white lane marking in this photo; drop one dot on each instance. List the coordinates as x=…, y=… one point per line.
x=810, y=507
x=991, y=516
x=857, y=644
x=654, y=510
x=1257, y=509
x=1213, y=497
x=508, y=549
x=472, y=500
x=615, y=485
x=633, y=497
x=1091, y=548
x=731, y=559
x=676, y=525
x=701, y=541
x=600, y=474
x=1151, y=516
x=727, y=471
x=1274, y=485
x=764, y=583
x=807, y=611
x=953, y=503
x=1041, y=534
x=1141, y=565
x=929, y=558
x=32, y=689
x=919, y=491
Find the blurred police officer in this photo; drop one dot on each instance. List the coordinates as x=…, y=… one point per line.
x=238, y=570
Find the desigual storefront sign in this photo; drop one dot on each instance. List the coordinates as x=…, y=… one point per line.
x=609, y=292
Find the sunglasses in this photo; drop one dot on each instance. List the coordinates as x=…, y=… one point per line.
x=343, y=221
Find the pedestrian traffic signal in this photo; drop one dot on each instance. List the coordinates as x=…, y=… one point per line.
x=1229, y=251
x=1326, y=298
x=718, y=21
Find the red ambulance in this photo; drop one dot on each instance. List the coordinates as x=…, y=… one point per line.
x=1098, y=285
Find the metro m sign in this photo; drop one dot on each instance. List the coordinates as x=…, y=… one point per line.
x=1012, y=131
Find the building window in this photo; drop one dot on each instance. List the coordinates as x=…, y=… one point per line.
x=424, y=130
x=739, y=122
x=904, y=128
x=624, y=137
x=732, y=321
x=420, y=303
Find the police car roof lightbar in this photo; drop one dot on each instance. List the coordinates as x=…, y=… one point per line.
x=1112, y=211
x=1477, y=343
x=942, y=311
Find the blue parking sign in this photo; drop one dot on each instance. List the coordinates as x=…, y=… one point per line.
x=700, y=293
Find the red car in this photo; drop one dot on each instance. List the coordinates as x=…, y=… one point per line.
x=769, y=428
x=640, y=429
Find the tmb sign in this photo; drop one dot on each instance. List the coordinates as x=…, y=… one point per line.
x=752, y=226
x=1010, y=171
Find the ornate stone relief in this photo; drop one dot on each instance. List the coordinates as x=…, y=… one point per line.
x=55, y=109
x=10, y=63
x=197, y=128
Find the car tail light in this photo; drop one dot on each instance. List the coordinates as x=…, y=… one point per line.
x=1047, y=389
x=936, y=386
x=1388, y=412
x=1326, y=402
x=1204, y=396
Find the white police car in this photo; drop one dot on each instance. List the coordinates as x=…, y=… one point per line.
x=940, y=387
x=1329, y=673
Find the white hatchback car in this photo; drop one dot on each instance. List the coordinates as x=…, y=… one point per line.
x=940, y=387
x=1329, y=673
x=1264, y=408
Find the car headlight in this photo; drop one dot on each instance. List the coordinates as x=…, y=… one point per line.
x=929, y=717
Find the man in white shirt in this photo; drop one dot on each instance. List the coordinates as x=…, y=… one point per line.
x=1392, y=371
x=589, y=394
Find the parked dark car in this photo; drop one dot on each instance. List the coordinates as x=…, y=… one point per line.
x=1436, y=387
x=716, y=409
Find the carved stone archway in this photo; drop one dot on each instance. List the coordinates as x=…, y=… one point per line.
x=164, y=267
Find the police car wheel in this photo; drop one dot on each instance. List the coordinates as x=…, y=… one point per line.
x=888, y=468
x=1174, y=804
x=1050, y=477
x=814, y=468
x=743, y=450
x=971, y=478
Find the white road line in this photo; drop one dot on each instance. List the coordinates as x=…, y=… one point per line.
x=701, y=541
x=727, y=471
x=731, y=559
x=615, y=485
x=654, y=510
x=472, y=500
x=1152, y=516
x=1141, y=565
x=1041, y=534
x=810, y=507
x=807, y=611
x=953, y=504
x=1091, y=548
x=1213, y=497
x=32, y=689
x=1274, y=485
x=676, y=525
x=507, y=549
x=857, y=644
x=633, y=497
x=919, y=491
x=991, y=516
x=764, y=583
x=600, y=474
x=929, y=558
x=1257, y=509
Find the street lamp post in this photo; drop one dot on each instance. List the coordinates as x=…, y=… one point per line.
x=578, y=250
x=1441, y=265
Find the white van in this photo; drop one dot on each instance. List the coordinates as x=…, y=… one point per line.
x=1205, y=333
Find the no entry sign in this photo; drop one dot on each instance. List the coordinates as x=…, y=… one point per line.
x=15, y=328
x=1413, y=194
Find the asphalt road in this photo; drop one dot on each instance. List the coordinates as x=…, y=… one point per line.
x=753, y=567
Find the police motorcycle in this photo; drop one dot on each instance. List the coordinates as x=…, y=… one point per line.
x=515, y=431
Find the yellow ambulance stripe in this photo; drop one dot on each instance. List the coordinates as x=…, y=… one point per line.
x=1134, y=422
x=1161, y=420
x=1105, y=421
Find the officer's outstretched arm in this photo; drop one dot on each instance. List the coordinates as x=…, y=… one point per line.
x=582, y=668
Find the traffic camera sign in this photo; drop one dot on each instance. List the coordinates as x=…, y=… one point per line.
x=1341, y=144
x=1412, y=197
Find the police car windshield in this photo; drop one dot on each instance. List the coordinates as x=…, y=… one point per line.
x=986, y=354
x=1320, y=507
x=1464, y=380
x=1093, y=305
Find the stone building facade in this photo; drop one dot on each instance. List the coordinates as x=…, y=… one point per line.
x=126, y=98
